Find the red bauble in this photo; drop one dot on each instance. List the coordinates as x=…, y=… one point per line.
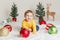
x=14, y=19
x=24, y=33
x=42, y=22
x=9, y=27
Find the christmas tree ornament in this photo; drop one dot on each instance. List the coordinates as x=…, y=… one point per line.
x=37, y=27
x=24, y=33
x=52, y=30
x=13, y=13
x=14, y=19
x=4, y=32
x=8, y=20
x=4, y=22
x=42, y=22
x=40, y=12
x=48, y=26
x=9, y=27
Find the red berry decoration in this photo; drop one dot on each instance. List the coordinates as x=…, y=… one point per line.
x=24, y=33
x=42, y=22
x=9, y=27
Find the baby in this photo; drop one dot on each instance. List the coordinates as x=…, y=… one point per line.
x=29, y=23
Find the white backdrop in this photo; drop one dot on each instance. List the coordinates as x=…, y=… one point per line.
x=23, y=5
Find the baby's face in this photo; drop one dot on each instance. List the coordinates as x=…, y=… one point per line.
x=29, y=16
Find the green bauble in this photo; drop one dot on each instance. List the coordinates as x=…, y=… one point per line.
x=52, y=30
x=9, y=20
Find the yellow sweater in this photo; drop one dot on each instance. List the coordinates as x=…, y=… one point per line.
x=27, y=25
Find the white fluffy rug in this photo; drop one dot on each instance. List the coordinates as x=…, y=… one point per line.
x=42, y=34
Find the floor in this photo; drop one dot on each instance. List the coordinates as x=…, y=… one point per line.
x=42, y=34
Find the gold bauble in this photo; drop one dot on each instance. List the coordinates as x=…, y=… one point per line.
x=4, y=31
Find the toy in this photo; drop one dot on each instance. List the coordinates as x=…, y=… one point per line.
x=48, y=26
x=37, y=27
x=9, y=27
x=52, y=30
x=50, y=13
x=4, y=21
x=14, y=13
x=24, y=33
x=40, y=12
x=42, y=22
x=8, y=20
x=4, y=32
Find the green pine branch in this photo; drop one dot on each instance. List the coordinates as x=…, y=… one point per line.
x=14, y=11
x=40, y=10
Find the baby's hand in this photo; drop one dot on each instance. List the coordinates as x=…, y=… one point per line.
x=30, y=30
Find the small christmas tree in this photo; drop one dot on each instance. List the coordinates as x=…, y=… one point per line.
x=40, y=12
x=14, y=12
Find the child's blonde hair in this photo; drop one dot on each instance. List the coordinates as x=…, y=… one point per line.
x=28, y=11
